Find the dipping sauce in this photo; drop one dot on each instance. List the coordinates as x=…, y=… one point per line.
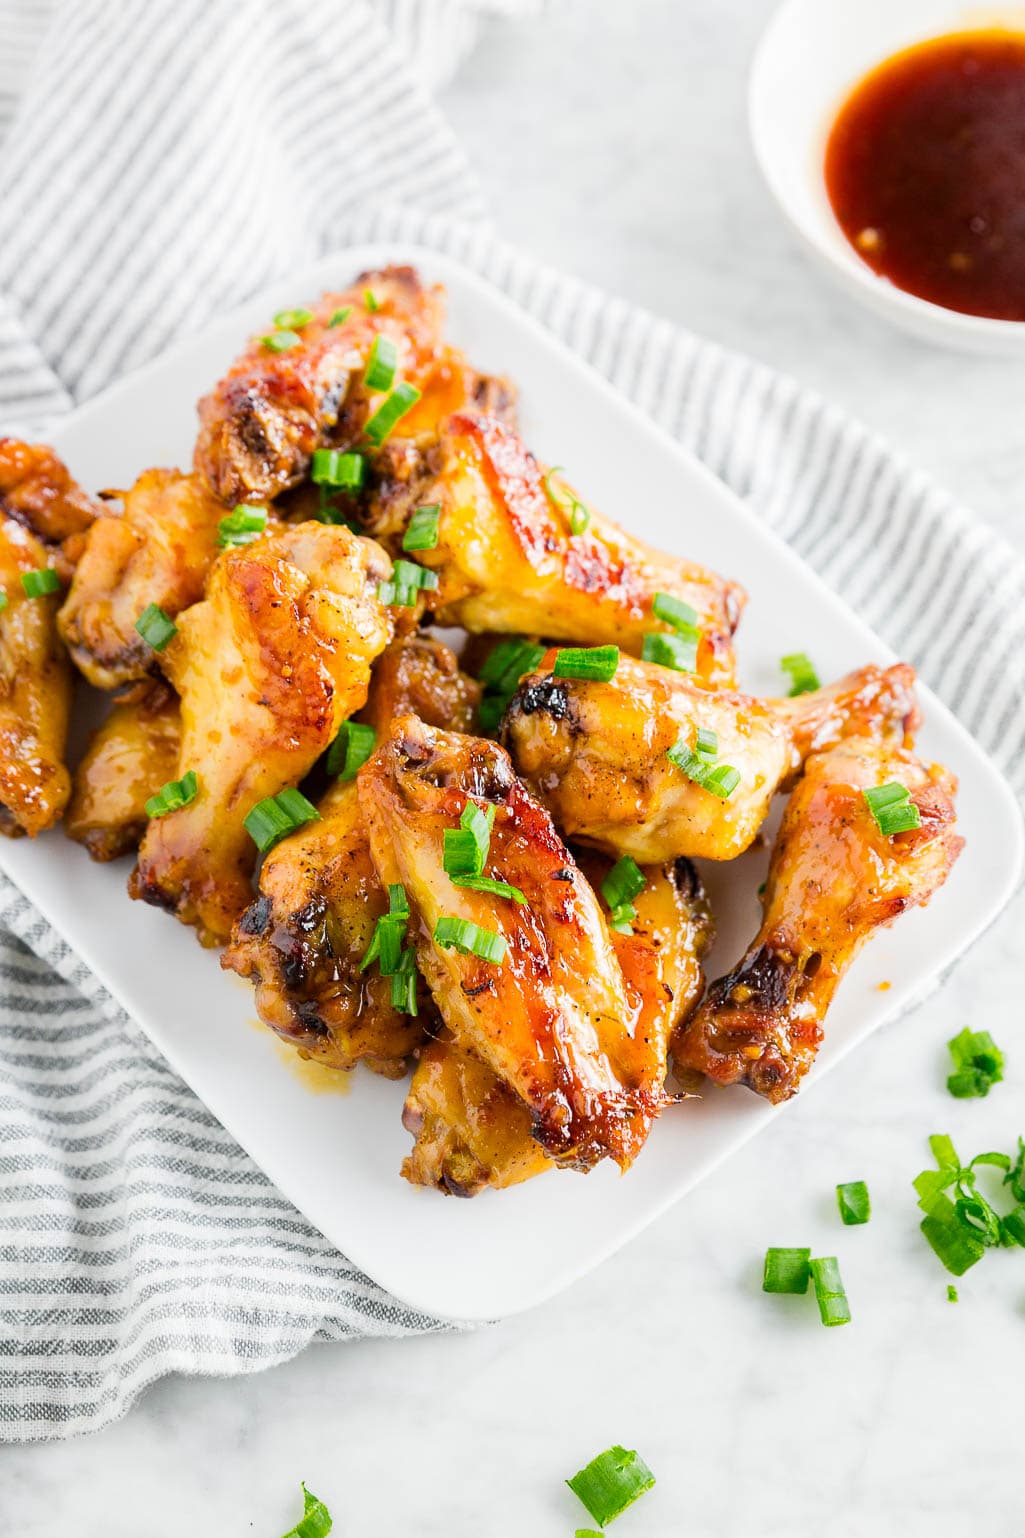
x=925, y=169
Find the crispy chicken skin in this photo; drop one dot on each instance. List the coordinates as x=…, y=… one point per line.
x=37, y=490
x=260, y=425
x=553, y=1020
x=471, y=1131
x=268, y=666
x=507, y=560
x=158, y=549
x=129, y=757
x=596, y=753
x=304, y=937
x=833, y=880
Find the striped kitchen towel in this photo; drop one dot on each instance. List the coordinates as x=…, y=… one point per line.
x=157, y=164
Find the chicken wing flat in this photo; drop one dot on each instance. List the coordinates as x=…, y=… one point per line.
x=507, y=558
x=158, y=549
x=37, y=490
x=833, y=880
x=261, y=424
x=553, y=1018
x=471, y=1131
x=268, y=666
x=303, y=939
x=129, y=757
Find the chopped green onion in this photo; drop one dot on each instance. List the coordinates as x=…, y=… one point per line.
x=282, y=341
x=957, y=1246
x=486, y=884
x=951, y=1293
x=330, y=467
x=567, y=502
x=598, y=663
x=1015, y=1177
x=315, y=1521
x=4, y=601
x=786, y=1270
x=979, y=1064
x=854, y=1202
x=271, y=819
x=509, y=661
x=706, y=744
x=422, y=529
x=466, y=847
x=803, y=677
x=350, y=749
x=407, y=580
x=370, y=300
x=389, y=932
x=37, y=584
x=470, y=939
x=829, y=1291
x=621, y=918
x=174, y=795
x=391, y=410
x=1012, y=1227
x=619, y=888
x=892, y=808
x=611, y=1482
x=403, y=983
x=670, y=651
x=586, y=1532
x=242, y=525
x=338, y=316
x=381, y=364
x=293, y=320
x=156, y=627
x=673, y=611
x=944, y=1152
x=720, y=780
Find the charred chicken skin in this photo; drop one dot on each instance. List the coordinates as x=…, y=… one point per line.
x=129, y=757
x=834, y=879
x=267, y=667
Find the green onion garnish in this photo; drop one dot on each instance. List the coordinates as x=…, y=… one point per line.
x=611, y=1482
x=282, y=341
x=386, y=943
x=892, y=808
x=394, y=406
x=466, y=847
x=403, y=983
x=370, y=300
x=508, y=662
x=338, y=316
x=273, y=818
x=854, y=1202
x=619, y=888
x=173, y=796
x=486, y=884
x=706, y=744
x=293, y=320
x=598, y=663
x=156, y=627
x=422, y=529
x=350, y=749
x=586, y=1532
x=330, y=467
x=673, y=611
x=951, y=1293
x=1015, y=1177
x=829, y=1291
x=407, y=580
x=670, y=651
x=381, y=364
x=4, y=601
x=979, y=1064
x=315, y=1521
x=786, y=1270
x=720, y=780
x=242, y=525
x=566, y=500
x=470, y=939
x=803, y=677
x=37, y=584
x=962, y=1229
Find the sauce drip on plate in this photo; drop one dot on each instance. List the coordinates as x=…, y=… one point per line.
x=925, y=169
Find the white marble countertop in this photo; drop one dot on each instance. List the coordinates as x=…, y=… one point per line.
x=613, y=142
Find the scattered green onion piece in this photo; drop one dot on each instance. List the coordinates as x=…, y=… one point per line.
x=829, y=1291
x=786, y=1271
x=282, y=341
x=4, y=601
x=892, y=808
x=338, y=316
x=670, y=651
x=272, y=819
x=586, y=1532
x=956, y=1246
x=486, y=884
x=611, y=1482
x=381, y=364
x=621, y=918
x=951, y=1293
x=174, y=795
x=403, y=983
x=315, y=1521
x=242, y=525
x=465, y=849
x=706, y=744
x=854, y=1202
x=293, y=320
x=568, y=502
x=350, y=750
x=803, y=677
x=944, y=1152
x=720, y=780
x=407, y=581
x=391, y=410
x=330, y=467
x=470, y=939
x=1012, y=1227
x=597, y=663
x=386, y=946
x=673, y=611
x=619, y=888
x=370, y=300
x=38, y=584
x=508, y=662
x=156, y=627
x=422, y=529
x=979, y=1064
x=1015, y=1177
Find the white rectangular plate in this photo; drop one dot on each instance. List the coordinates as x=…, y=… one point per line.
x=337, y=1157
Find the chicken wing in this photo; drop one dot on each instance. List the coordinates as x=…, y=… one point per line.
x=304, y=937
x=470, y=1129
x=553, y=1018
x=129, y=757
x=37, y=490
x=833, y=880
x=507, y=559
x=271, y=662
x=157, y=550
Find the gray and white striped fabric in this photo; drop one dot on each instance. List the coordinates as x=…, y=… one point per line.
x=159, y=164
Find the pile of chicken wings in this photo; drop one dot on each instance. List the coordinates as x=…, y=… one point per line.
x=368, y=612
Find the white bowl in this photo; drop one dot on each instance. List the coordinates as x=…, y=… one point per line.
x=811, y=56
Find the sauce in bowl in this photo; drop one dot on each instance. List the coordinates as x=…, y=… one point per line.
x=925, y=170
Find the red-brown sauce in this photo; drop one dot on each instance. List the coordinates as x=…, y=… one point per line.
x=925, y=169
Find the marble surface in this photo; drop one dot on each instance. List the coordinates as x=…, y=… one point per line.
x=613, y=140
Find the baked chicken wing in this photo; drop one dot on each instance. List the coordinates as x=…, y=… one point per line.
x=37, y=490
x=129, y=757
x=834, y=879
x=268, y=666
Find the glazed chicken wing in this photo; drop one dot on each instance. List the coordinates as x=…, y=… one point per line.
x=552, y=1019
x=271, y=662
x=37, y=490
x=833, y=880
x=129, y=757
x=507, y=559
